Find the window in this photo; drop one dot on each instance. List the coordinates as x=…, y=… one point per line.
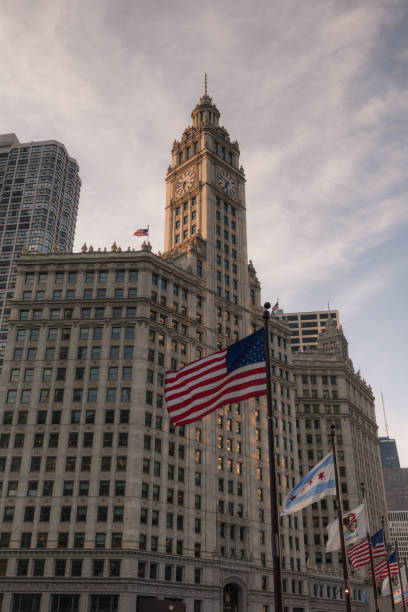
x=114, y=567
x=100, y=542
x=79, y=539
x=76, y=570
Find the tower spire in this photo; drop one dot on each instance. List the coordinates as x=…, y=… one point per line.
x=205, y=84
x=385, y=416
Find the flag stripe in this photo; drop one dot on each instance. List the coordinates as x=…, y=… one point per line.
x=197, y=415
x=195, y=366
x=359, y=554
x=211, y=391
x=227, y=376
x=227, y=395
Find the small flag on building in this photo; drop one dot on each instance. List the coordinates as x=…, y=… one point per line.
x=318, y=483
x=230, y=375
x=275, y=306
x=142, y=232
x=355, y=529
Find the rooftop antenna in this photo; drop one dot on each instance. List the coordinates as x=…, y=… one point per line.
x=385, y=417
x=205, y=84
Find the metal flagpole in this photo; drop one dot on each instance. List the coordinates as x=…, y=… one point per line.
x=377, y=609
x=388, y=564
x=276, y=544
x=347, y=592
x=400, y=577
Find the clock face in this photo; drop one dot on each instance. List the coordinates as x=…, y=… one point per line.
x=185, y=182
x=226, y=182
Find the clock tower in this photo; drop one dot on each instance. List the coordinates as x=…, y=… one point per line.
x=205, y=228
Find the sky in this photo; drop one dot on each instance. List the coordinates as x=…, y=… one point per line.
x=315, y=92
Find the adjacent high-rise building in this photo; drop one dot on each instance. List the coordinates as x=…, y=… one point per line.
x=389, y=452
x=330, y=392
x=104, y=505
x=306, y=326
x=39, y=194
x=396, y=489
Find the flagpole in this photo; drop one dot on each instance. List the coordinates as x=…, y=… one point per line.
x=400, y=577
x=377, y=609
x=388, y=564
x=275, y=535
x=347, y=593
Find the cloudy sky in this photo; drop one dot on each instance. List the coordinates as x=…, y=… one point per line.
x=315, y=92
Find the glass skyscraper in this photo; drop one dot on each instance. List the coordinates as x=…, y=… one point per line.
x=39, y=194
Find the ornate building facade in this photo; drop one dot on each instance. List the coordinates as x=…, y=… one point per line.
x=329, y=391
x=105, y=506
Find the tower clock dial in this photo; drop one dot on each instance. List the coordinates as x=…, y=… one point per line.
x=185, y=182
x=226, y=182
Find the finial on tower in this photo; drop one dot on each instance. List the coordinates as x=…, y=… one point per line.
x=205, y=84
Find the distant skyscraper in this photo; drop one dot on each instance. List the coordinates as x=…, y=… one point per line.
x=389, y=453
x=39, y=194
x=305, y=326
x=396, y=489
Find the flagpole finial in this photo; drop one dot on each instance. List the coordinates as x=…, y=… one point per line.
x=205, y=84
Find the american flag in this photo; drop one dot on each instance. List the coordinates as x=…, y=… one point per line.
x=377, y=545
x=275, y=306
x=393, y=564
x=381, y=570
x=230, y=375
x=359, y=555
x=142, y=232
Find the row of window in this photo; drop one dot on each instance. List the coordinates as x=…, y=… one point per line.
x=171, y=469
x=105, y=488
x=88, y=294
x=89, y=276
x=122, y=417
x=313, y=394
x=65, y=567
x=100, y=312
x=70, y=463
x=78, y=395
x=66, y=514
x=31, y=602
x=73, y=439
x=85, y=333
x=154, y=545
x=153, y=492
x=93, y=372
x=78, y=540
x=188, y=152
x=95, y=352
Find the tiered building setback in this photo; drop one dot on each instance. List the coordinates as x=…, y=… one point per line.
x=329, y=391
